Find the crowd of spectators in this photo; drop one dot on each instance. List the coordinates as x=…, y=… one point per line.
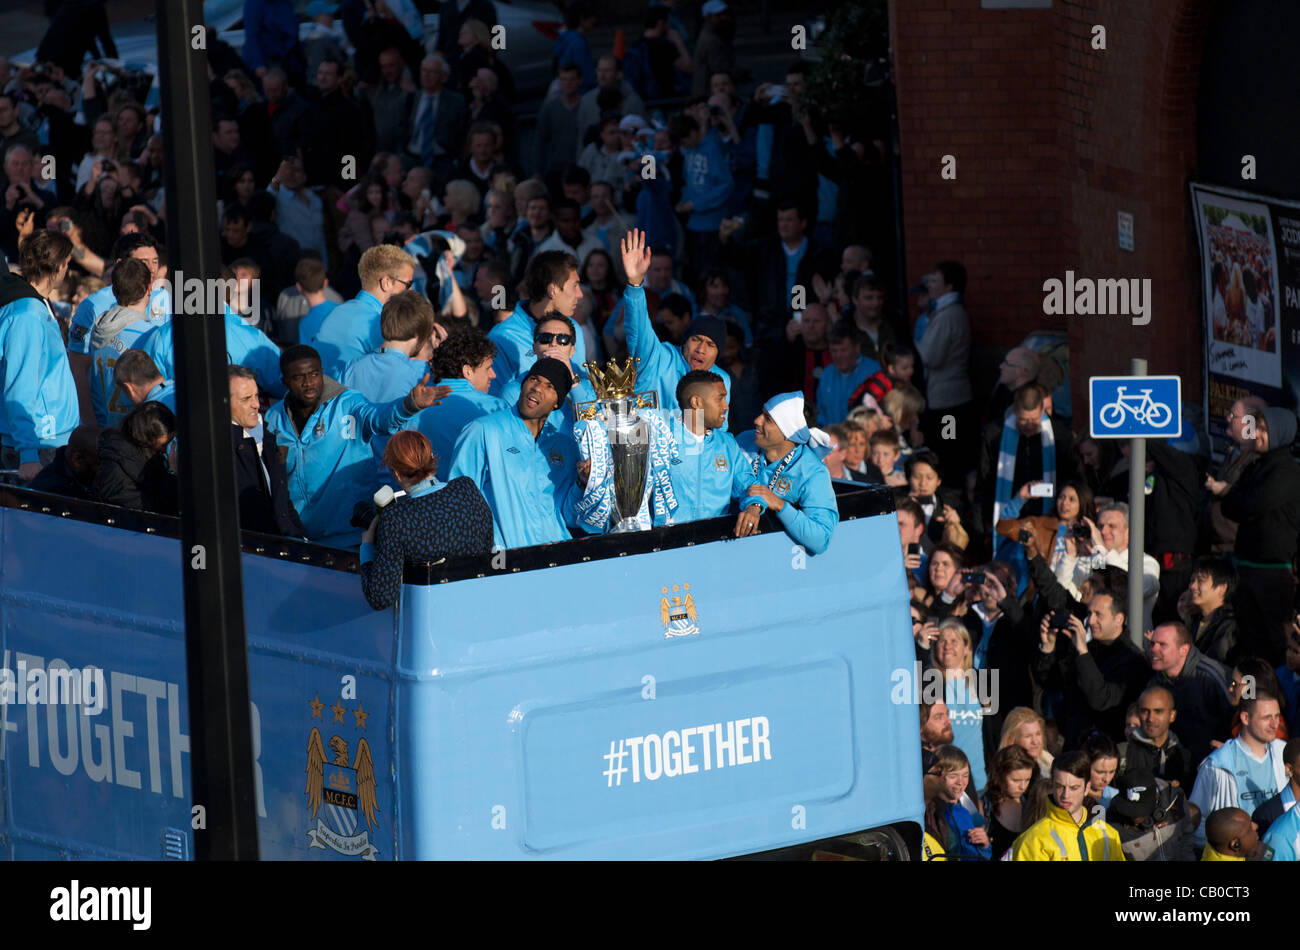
x=412, y=247
x=1161, y=737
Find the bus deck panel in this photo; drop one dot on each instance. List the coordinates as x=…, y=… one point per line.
x=489, y=716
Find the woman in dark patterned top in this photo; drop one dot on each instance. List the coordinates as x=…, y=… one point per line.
x=435, y=520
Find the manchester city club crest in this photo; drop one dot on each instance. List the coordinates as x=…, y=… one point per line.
x=341, y=790
x=781, y=486
x=677, y=611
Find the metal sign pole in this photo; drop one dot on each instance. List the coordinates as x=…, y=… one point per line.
x=1137, y=509
x=221, y=748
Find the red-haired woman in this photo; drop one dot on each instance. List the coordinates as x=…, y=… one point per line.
x=433, y=521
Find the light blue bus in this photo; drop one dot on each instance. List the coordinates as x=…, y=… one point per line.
x=668, y=694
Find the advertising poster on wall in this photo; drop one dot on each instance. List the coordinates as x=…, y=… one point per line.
x=1250, y=286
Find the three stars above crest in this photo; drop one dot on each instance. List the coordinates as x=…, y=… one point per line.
x=339, y=710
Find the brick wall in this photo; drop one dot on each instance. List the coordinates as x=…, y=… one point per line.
x=1052, y=139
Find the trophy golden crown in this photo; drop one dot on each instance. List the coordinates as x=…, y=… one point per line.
x=613, y=381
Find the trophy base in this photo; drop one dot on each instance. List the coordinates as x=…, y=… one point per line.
x=624, y=526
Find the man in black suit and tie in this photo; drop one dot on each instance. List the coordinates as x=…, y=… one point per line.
x=439, y=118
x=261, y=486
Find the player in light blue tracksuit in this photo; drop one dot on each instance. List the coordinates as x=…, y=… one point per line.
x=463, y=362
x=325, y=432
x=385, y=374
x=1283, y=836
x=410, y=336
x=349, y=331
x=164, y=392
x=143, y=248
x=245, y=346
x=99, y=303
x=551, y=281
x=40, y=398
x=790, y=477
x=661, y=364
x=555, y=337
x=117, y=330
x=712, y=469
x=353, y=328
x=525, y=467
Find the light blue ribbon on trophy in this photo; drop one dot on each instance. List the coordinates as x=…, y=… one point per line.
x=596, y=506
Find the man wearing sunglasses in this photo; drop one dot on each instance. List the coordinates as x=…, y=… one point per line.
x=662, y=365
x=526, y=468
x=352, y=329
x=551, y=282
x=555, y=337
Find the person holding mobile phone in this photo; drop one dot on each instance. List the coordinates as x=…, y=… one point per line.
x=911, y=525
x=1024, y=447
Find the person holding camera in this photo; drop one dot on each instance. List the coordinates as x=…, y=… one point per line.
x=1096, y=667
x=1001, y=630
x=1066, y=530
x=434, y=520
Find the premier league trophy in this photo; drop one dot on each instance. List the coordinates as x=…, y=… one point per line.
x=616, y=406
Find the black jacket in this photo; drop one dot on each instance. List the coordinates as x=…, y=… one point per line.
x=1171, y=506
x=1097, y=685
x=287, y=123
x=1201, y=698
x=1029, y=468
x=1171, y=761
x=763, y=264
x=1269, y=812
x=1265, y=501
x=263, y=507
x=454, y=521
x=934, y=528
x=1009, y=652
x=77, y=27
x=1051, y=594
x=1218, y=639
x=335, y=125
x=58, y=479
x=129, y=480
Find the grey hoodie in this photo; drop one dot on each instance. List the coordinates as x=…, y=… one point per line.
x=112, y=322
x=1281, y=427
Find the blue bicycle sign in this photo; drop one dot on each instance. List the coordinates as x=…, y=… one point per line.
x=1126, y=407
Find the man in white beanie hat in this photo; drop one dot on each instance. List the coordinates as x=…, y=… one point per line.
x=791, y=478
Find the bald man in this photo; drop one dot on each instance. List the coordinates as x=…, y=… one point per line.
x=1152, y=745
x=1230, y=835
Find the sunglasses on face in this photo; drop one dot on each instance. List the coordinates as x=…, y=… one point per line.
x=559, y=339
